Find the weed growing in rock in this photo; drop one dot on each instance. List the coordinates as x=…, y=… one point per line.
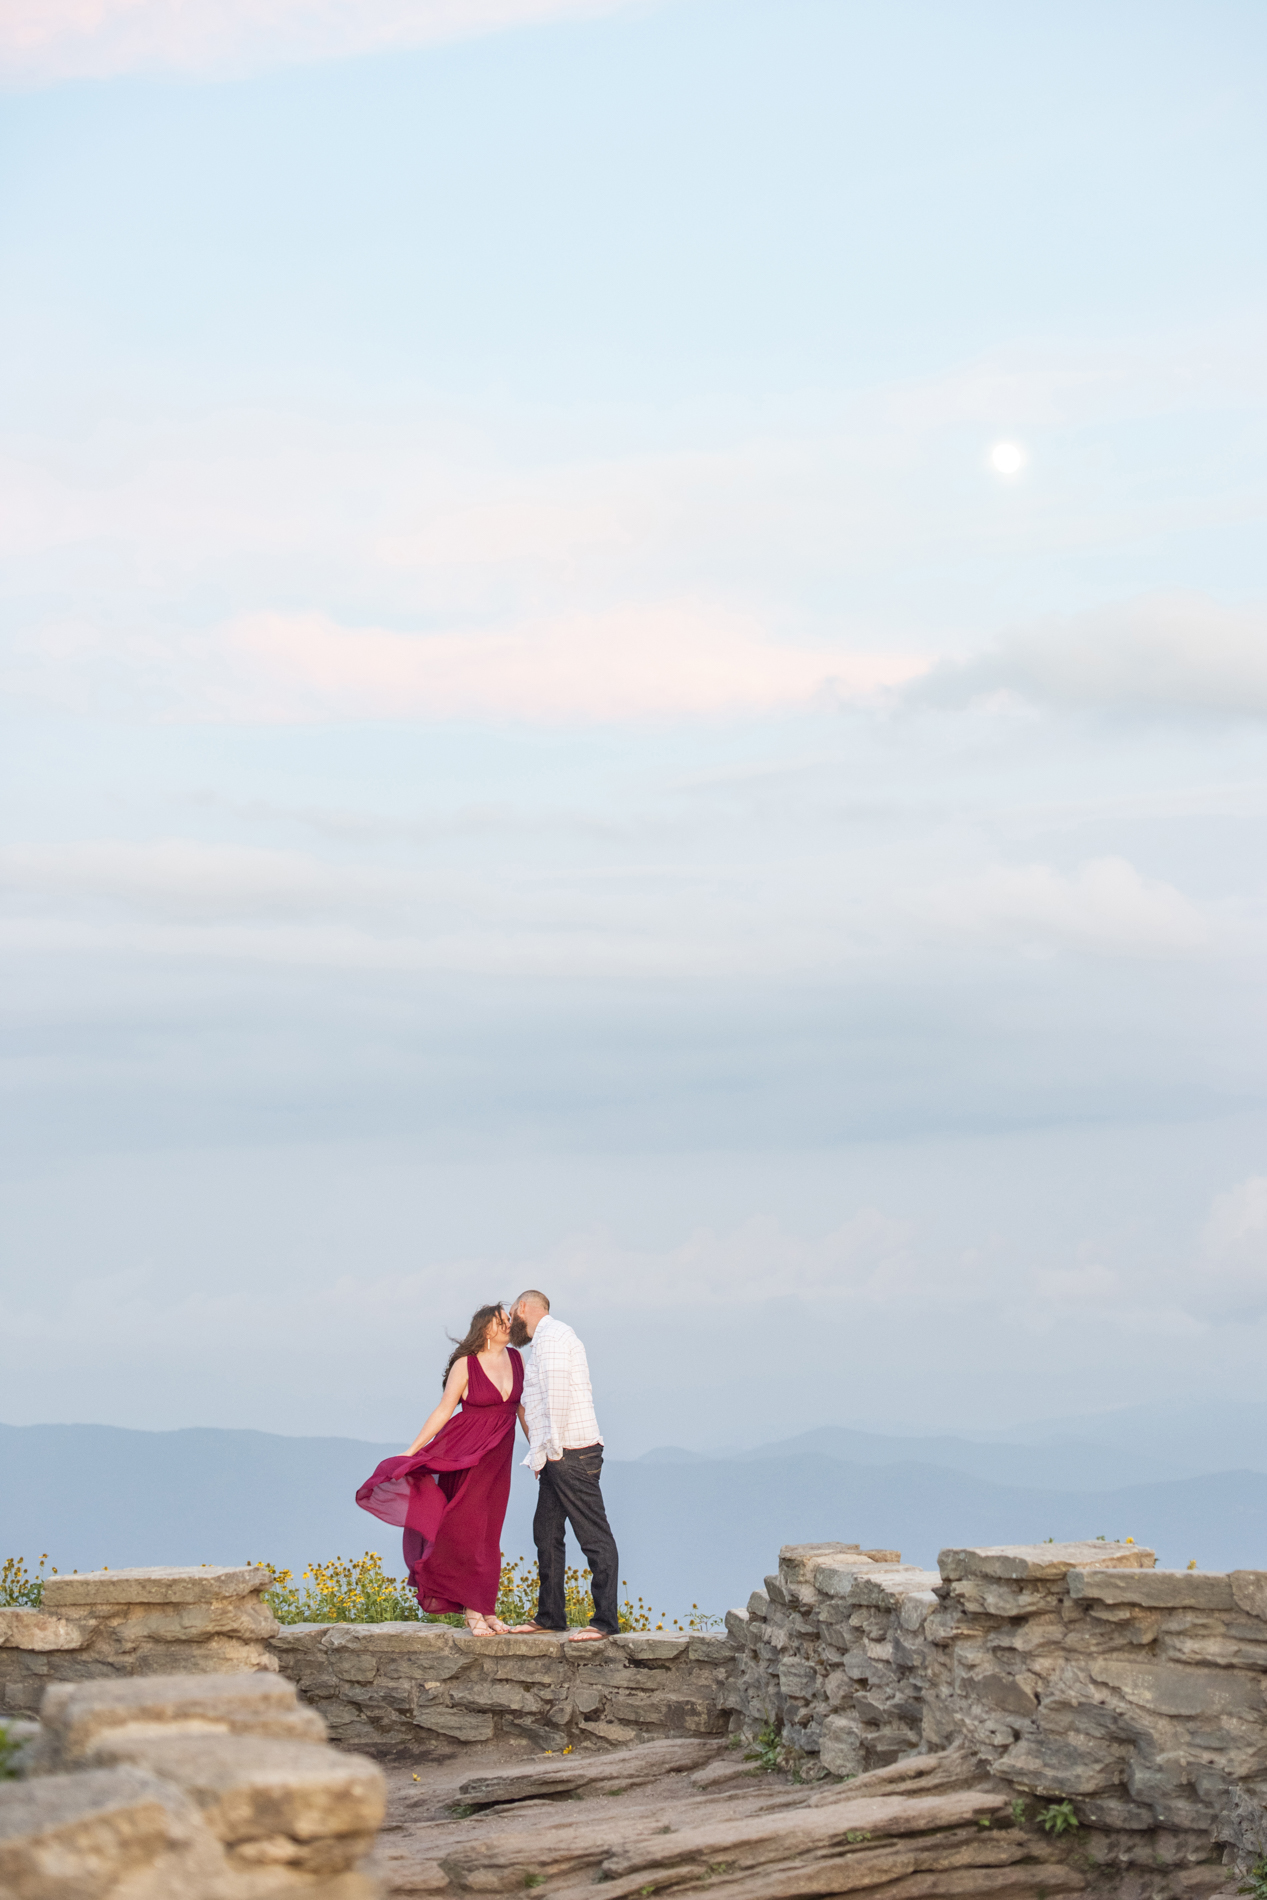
x=8, y=1755
x=1059, y=1818
x=767, y=1750
x=1256, y=1880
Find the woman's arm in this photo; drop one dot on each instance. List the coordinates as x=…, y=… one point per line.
x=524, y=1422
x=454, y=1393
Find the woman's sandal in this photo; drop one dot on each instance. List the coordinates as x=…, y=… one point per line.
x=476, y=1624
x=497, y=1628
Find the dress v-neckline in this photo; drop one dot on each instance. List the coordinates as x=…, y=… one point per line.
x=505, y=1397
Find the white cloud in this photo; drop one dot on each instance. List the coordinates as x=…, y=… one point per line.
x=61, y=39
x=1163, y=653
x=1104, y=906
x=665, y=660
x=1230, y=1281
x=608, y=912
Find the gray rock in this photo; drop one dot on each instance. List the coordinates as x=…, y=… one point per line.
x=462, y=1725
x=1249, y=1590
x=1175, y=1689
x=1154, y=1589
x=797, y=1561
x=1040, y=1561
x=840, y=1748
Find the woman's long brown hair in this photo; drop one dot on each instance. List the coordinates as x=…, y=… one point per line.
x=481, y=1320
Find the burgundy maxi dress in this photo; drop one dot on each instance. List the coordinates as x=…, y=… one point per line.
x=450, y=1497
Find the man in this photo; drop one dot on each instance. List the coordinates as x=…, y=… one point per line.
x=566, y=1452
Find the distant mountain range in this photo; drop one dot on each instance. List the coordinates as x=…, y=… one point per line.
x=691, y=1528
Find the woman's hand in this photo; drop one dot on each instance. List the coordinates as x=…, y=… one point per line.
x=454, y=1393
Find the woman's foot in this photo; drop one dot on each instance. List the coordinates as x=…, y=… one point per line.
x=497, y=1627
x=476, y=1624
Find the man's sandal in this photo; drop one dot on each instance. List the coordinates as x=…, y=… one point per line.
x=588, y=1635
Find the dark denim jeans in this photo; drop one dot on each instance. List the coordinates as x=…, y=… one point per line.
x=569, y=1492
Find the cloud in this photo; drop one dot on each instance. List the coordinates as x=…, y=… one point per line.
x=1163, y=653
x=608, y=914
x=45, y=40
x=1231, y=1272
x=1105, y=906
x=668, y=660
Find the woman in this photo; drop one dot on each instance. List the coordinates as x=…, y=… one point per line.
x=450, y=1489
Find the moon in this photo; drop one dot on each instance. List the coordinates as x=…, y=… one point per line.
x=1007, y=458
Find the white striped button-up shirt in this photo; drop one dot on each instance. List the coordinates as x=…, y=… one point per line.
x=557, y=1398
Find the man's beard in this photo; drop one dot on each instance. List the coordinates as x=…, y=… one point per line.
x=519, y=1335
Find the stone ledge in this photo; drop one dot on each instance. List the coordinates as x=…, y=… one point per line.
x=35, y=1630
x=1040, y=1563
x=193, y=1583
x=1156, y=1589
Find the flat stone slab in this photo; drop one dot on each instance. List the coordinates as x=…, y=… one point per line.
x=249, y=1703
x=194, y=1583
x=1041, y=1563
x=252, y=1788
x=617, y=1768
x=1155, y=1589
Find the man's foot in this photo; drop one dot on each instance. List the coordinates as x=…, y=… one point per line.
x=588, y=1635
x=476, y=1624
x=533, y=1629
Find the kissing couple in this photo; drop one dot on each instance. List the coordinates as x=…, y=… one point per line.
x=450, y=1489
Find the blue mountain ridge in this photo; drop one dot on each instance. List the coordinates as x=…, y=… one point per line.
x=694, y=1531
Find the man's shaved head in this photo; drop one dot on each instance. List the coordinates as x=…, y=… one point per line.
x=526, y=1315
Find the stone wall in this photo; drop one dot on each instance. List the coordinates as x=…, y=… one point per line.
x=394, y=1685
x=1072, y=1672
x=379, y=1685
x=134, y=1623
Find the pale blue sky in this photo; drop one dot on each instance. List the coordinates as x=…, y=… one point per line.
x=537, y=746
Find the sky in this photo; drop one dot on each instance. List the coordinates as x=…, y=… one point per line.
x=633, y=658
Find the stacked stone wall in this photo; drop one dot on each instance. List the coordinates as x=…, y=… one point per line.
x=1071, y=1672
x=394, y=1685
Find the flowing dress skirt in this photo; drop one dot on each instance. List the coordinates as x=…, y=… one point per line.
x=450, y=1498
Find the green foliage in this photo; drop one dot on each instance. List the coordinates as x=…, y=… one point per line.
x=1019, y=1811
x=1256, y=1880
x=856, y=1835
x=767, y=1751
x=20, y=1589
x=358, y=1590
x=1059, y=1818
x=8, y=1755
